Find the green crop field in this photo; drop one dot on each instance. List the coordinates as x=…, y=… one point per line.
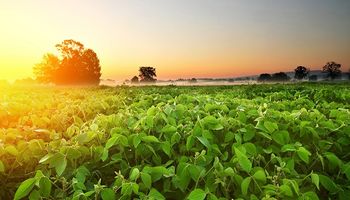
x=213, y=142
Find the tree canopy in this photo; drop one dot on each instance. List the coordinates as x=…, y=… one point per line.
x=264, y=77
x=135, y=79
x=280, y=76
x=301, y=72
x=74, y=66
x=332, y=69
x=147, y=74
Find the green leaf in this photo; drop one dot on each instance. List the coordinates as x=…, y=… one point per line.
x=281, y=137
x=11, y=150
x=285, y=190
x=81, y=173
x=195, y=171
x=315, y=180
x=212, y=123
x=344, y=195
x=46, y=158
x=175, y=138
x=229, y=136
x=136, y=141
x=73, y=154
x=295, y=186
x=245, y=185
x=204, y=141
x=2, y=166
x=328, y=184
x=108, y=194
x=270, y=126
x=126, y=189
x=334, y=161
x=189, y=142
x=152, y=111
x=149, y=121
x=89, y=193
x=146, y=179
x=149, y=139
x=197, y=194
x=104, y=155
x=346, y=170
x=248, y=135
x=59, y=161
x=134, y=174
x=156, y=172
x=288, y=147
x=310, y=196
x=260, y=176
x=250, y=148
x=303, y=154
x=111, y=141
x=166, y=148
x=45, y=187
x=25, y=188
x=265, y=135
x=229, y=172
x=183, y=176
x=135, y=188
x=169, y=129
x=155, y=195
x=243, y=160
x=82, y=138
x=38, y=175
x=34, y=195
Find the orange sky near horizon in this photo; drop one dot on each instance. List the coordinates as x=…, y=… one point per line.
x=182, y=39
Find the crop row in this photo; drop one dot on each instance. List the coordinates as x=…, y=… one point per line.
x=236, y=142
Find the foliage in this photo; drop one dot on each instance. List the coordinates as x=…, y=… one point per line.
x=264, y=77
x=276, y=77
x=301, y=72
x=280, y=76
x=77, y=66
x=332, y=69
x=192, y=80
x=221, y=142
x=135, y=79
x=147, y=74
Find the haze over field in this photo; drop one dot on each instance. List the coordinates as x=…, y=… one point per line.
x=182, y=39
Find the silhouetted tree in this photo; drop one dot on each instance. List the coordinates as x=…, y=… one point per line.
x=192, y=80
x=301, y=72
x=147, y=74
x=333, y=70
x=46, y=70
x=313, y=78
x=264, y=77
x=280, y=76
x=77, y=66
x=135, y=79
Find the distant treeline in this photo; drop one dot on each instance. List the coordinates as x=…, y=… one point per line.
x=77, y=65
x=331, y=69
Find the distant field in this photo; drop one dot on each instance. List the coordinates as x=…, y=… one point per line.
x=276, y=141
x=183, y=83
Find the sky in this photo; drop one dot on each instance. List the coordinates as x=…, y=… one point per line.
x=181, y=38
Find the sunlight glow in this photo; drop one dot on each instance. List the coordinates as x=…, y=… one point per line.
x=181, y=39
